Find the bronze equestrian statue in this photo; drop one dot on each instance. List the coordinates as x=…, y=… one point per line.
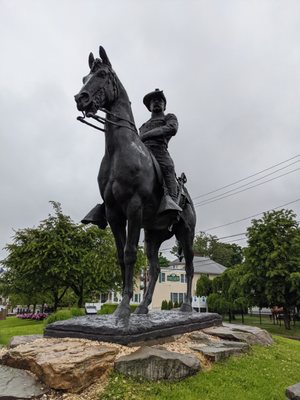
x=131, y=183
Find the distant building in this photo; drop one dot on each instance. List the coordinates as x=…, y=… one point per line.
x=171, y=282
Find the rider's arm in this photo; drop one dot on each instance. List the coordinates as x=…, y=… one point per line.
x=167, y=130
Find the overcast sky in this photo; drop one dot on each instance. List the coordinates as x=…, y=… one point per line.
x=230, y=71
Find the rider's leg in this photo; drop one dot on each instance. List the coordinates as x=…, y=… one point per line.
x=170, y=180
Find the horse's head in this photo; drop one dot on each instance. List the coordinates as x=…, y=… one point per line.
x=100, y=87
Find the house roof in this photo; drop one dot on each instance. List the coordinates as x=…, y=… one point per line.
x=202, y=265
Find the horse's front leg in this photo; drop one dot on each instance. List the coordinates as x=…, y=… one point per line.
x=117, y=222
x=134, y=223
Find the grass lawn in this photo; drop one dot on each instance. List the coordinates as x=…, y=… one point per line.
x=13, y=326
x=267, y=324
x=262, y=374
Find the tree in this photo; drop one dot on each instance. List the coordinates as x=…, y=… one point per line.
x=228, y=293
x=273, y=260
x=223, y=253
x=203, y=286
x=163, y=261
x=164, y=305
x=46, y=261
x=170, y=305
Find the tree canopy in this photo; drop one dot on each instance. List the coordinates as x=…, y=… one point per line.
x=203, y=286
x=228, y=294
x=163, y=261
x=272, y=260
x=43, y=262
x=226, y=254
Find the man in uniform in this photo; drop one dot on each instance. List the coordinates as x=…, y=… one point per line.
x=156, y=134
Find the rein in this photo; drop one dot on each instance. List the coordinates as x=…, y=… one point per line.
x=104, y=121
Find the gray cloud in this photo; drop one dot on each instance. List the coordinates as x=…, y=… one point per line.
x=230, y=71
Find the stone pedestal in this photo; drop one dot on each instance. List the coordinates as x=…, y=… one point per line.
x=136, y=328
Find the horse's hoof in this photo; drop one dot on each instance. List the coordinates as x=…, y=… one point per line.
x=141, y=310
x=186, y=307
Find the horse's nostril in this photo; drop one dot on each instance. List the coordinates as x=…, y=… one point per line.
x=82, y=98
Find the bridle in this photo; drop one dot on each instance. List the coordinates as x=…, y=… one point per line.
x=104, y=121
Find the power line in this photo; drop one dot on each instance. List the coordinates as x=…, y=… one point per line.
x=244, y=190
x=251, y=216
x=246, y=184
x=247, y=177
x=235, y=240
x=236, y=234
x=223, y=237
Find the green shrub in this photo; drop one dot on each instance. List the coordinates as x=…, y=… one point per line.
x=170, y=305
x=61, y=315
x=176, y=304
x=109, y=308
x=77, y=312
x=58, y=316
x=164, y=305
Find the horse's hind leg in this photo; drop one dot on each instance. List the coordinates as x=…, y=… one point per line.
x=186, y=238
x=152, y=246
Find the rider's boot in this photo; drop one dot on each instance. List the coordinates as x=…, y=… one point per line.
x=170, y=200
x=96, y=216
x=168, y=204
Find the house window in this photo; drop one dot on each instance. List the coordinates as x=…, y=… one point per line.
x=183, y=278
x=174, y=297
x=177, y=297
x=162, y=277
x=137, y=298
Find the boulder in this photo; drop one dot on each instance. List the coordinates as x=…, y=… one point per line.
x=293, y=392
x=219, y=350
x=67, y=364
x=16, y=384
x=154, y=364
x=243, y=333
x=200, y=337
x=17, y=340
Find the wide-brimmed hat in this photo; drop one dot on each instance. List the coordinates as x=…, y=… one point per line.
x=156, y=94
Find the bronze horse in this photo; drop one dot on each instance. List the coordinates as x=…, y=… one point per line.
x=130, y=186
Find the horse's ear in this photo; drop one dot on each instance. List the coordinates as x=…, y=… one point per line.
x=91, y=60
x=103, y=56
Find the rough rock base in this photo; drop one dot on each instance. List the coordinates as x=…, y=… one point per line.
x=69, y=364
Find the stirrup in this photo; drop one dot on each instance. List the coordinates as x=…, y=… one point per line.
x=168, y=204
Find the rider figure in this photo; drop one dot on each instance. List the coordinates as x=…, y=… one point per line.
x=156, y=134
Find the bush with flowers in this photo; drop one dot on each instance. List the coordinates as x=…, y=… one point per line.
x=33, y=316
